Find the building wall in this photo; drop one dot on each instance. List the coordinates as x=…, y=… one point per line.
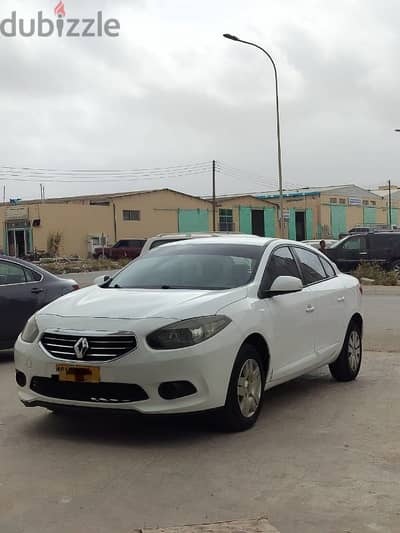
x=77, y=219
x=243, y=206
x=159, y=213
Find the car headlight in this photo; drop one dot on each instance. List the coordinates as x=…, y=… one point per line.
x=31, y=330
x=187, y=332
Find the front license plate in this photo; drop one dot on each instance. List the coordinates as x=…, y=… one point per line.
x=78, y=374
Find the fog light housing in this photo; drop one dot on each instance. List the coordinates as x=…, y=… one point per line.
x=20, y=378
x=172, y=390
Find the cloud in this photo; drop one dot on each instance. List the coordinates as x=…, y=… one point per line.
x=171, y=90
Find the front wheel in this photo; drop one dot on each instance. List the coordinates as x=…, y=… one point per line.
x=347, y=365
x=245, y=393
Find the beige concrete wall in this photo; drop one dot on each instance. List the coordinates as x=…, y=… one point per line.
x=242, y=201
x=158, y=213
x=301, y=204
x=2, y=220
x=75, y=223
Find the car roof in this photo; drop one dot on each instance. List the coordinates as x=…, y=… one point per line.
x=237, y=239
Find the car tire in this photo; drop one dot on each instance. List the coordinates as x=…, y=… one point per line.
x=396, y=267
x=347, y=365
x=245, y=392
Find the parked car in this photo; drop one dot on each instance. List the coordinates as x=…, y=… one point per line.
x=24, y=289
x=124, y=248
x=315, y=243
x=194, y=326
x=379, y=247
x=167, y=238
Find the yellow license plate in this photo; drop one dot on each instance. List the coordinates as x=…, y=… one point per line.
x=78, y=374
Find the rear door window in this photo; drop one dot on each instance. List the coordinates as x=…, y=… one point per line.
x=11, y=274
x=310, y=265
x=31, y=275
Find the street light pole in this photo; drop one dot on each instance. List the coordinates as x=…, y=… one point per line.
x=278, y=124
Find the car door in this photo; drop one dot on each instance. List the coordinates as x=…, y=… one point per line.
x=21, y=295
x=349, y=253
x=288, y=319
x=328, y=295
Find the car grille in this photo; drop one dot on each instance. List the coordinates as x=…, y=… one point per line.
x=98, y=348
x=88, y=392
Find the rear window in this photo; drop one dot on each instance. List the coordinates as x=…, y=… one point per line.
x=160, y=242
x=380, y=242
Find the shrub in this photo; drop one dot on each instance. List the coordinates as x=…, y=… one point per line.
x=375, y=272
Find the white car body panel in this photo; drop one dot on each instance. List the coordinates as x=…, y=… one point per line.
x=298, y=340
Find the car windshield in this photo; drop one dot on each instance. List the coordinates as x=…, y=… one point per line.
x=192, y=266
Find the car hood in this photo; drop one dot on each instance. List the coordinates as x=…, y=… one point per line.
x=97, y=302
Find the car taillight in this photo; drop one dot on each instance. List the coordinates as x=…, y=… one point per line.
x=75, y=287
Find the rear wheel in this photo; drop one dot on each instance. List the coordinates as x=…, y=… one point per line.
x=347, y=365
x=245, y=392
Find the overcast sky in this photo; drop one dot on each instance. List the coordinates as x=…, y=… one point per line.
x=170, y=91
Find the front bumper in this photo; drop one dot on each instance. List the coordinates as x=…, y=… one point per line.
x=207, y=367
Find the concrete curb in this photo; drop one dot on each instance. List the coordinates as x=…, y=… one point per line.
x=260, y=525
x=381, y=290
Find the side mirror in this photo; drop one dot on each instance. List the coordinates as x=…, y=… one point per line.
x=100, y=280
x=283, y=285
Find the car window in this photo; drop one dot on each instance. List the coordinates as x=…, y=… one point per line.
x=383, y=242
x=330, y=272
x=31, y=275
x=355, y=243
x=11, y=274
x=282, y=263
x=311, y=266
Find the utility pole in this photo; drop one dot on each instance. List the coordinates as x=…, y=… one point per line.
x=4, y=194
x=214, y=199
x=390, y=204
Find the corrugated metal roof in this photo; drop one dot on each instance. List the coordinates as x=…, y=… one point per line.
x=105, y=197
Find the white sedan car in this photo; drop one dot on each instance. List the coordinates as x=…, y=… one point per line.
x=199, y=325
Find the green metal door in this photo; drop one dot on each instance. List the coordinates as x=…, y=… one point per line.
x=369, y=215
x=292, y=224
x=245, y=225
x=269, y=222
x=309, y=223
x=395, y=218
x=192, y=220
x=338, y=220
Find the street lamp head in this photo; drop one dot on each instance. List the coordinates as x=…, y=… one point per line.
x=231, y=37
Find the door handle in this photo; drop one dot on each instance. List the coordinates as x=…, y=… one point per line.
x=340, y=299
x=37, y=290
x=310, y=309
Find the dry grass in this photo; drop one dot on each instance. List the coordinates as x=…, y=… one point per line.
x=376, y=273
x=71, y=266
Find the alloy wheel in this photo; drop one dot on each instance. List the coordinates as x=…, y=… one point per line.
x=249, y=388
x=354, y=350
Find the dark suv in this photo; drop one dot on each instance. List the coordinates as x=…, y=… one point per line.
x=376, y=247
x=125, y=248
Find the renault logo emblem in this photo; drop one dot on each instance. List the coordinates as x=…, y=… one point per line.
x=81, y=348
